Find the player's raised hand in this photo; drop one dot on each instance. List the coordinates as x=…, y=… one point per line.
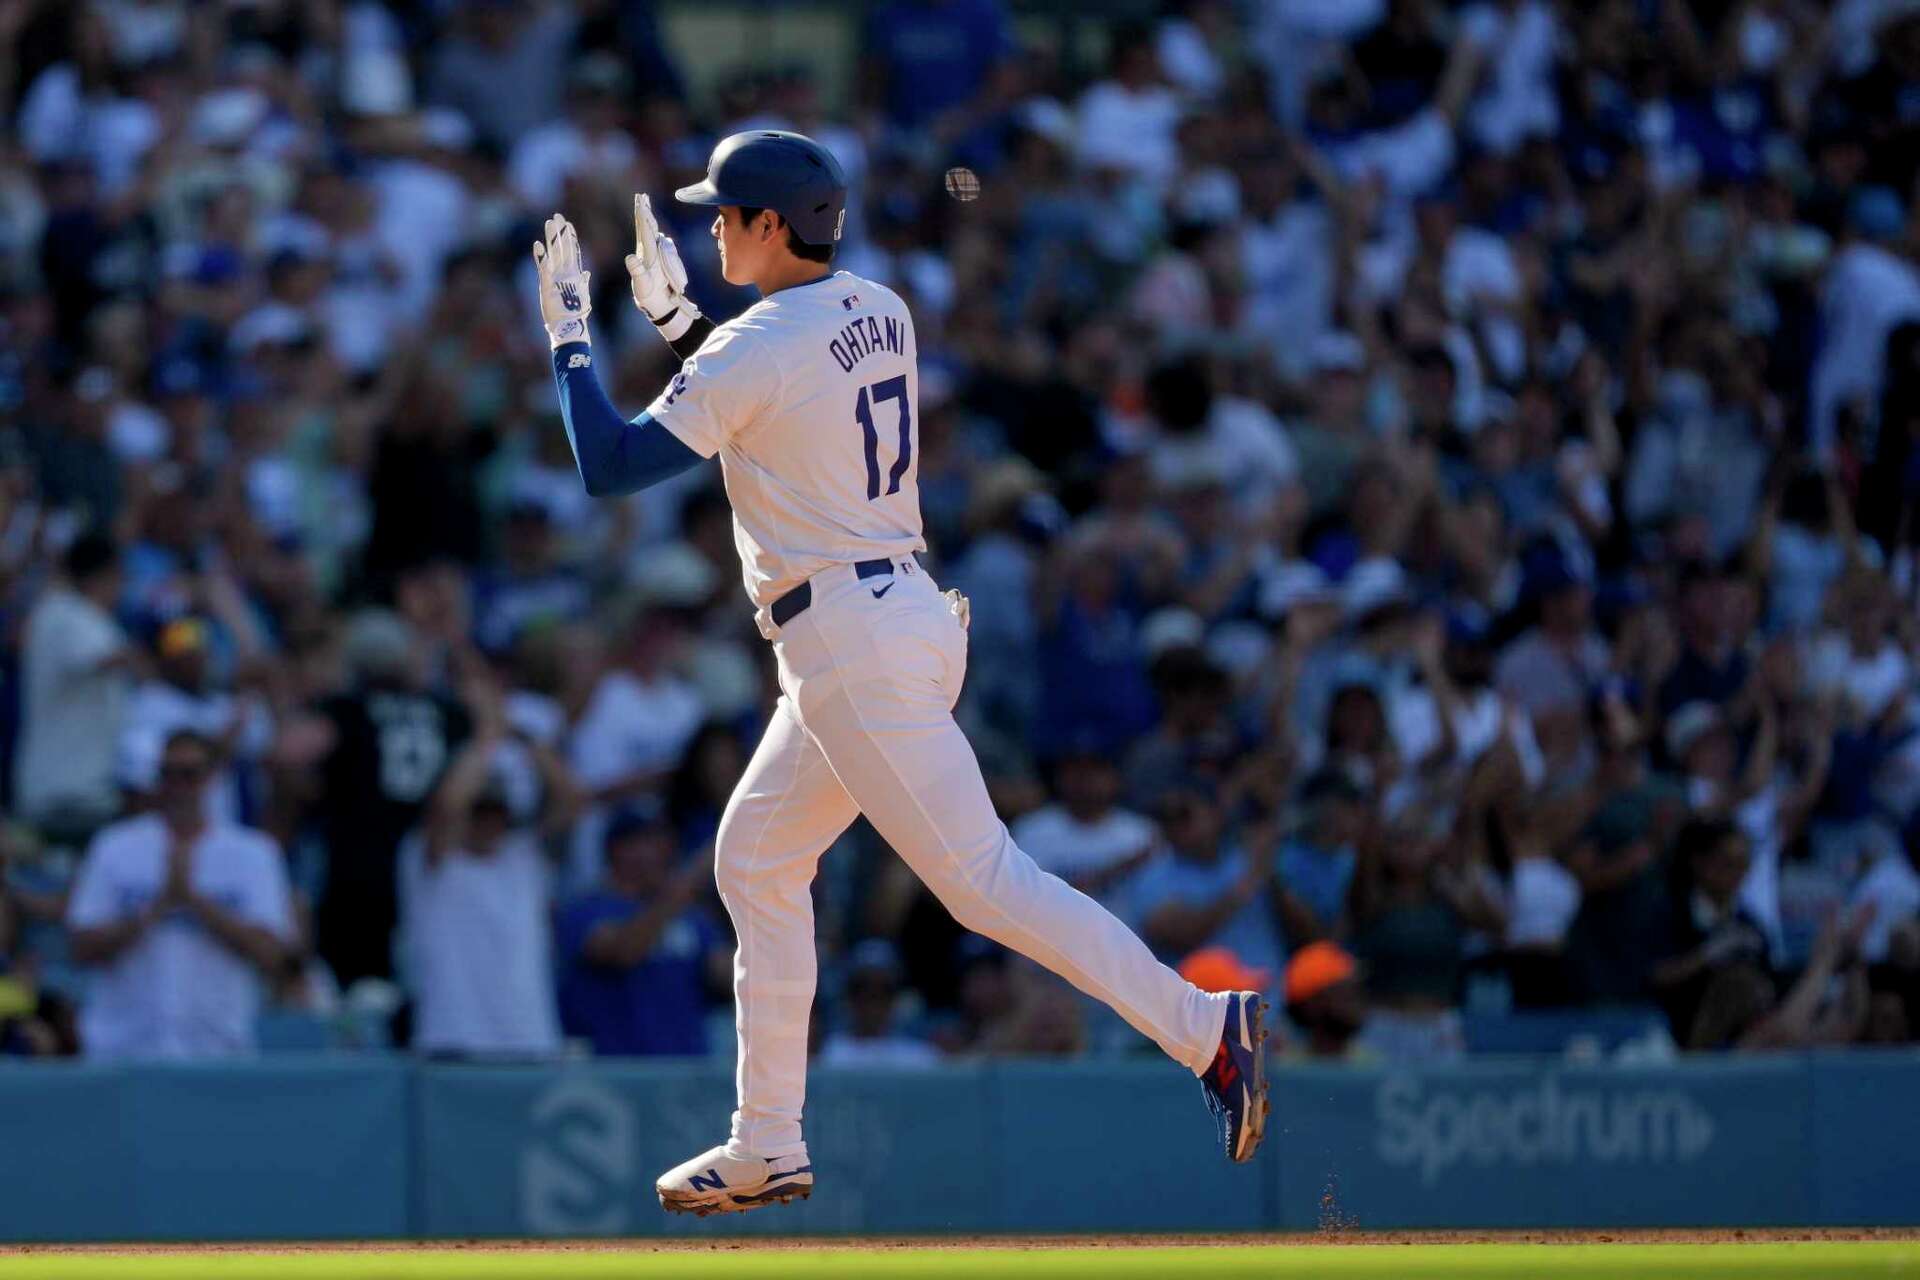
x=659, y=278
x=565, y=295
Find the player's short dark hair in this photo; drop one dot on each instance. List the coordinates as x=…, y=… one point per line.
x=801, y=249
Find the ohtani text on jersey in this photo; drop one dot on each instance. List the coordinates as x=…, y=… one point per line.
x=864, y=337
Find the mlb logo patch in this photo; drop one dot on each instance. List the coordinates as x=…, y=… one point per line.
x=851, y=301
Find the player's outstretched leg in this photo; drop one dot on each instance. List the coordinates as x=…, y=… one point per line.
x=785, y=811
x=875, y=689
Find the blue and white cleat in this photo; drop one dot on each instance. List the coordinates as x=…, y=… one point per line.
x=715, y=1182
x=1236, y=1083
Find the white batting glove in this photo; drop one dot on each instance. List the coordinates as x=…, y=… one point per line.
x=565, y=296
x=659, y=278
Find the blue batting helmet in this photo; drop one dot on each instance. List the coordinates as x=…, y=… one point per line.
x=788, y=173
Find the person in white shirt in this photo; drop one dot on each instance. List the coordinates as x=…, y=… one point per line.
x=1890, y=892
x=641, y=714
x=869, y=1037
x=589, y=139
x=1870, y=288
x=1859, y=663
x=633, y=727
x=1290, y=252
x=475, y=894
x=1233, y=439
x=184, y=917
x=75, y=669
x=1521, y=39
x=1406, y=158
x=1127, y=121
x=1189, y=42
x=180, y=696
x=1085, y=837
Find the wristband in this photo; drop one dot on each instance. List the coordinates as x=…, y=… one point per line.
x=674, y=325
x=572, y=329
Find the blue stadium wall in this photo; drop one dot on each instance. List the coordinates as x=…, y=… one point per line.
x=351, y=1147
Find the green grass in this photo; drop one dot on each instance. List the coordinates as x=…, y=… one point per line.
x=1817, y=1261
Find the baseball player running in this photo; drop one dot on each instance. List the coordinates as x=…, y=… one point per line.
x=809, y=398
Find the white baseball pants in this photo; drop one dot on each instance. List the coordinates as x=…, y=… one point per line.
x=869, y=675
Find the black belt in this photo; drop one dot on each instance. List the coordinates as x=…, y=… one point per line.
x=795, y=602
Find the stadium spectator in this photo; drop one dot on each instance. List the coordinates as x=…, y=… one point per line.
x=476, y=898
x=1196, y=735
x=698, y=793
x=984, y=999
x=1009, y=1006
x=588, y=140
x=1208, y=889
x=385, y=741
x=181, y=695
x=185, y=918
x=639, y=714
x=1552, y=670
x=1713, y=668
x=1415, y=900
x=869, y=1035
x=1710, y=930
x=1087, y=837
x=642, y=957
x=1889, y=894
x=34, y=1022
x=1316, y=864
x=1828, y=1002
x=1406, y=394
x=1325, y=1002
x=1218, y=969
x=76, y=668
x=1126, y=122
x=529, y=586
x=1619, y=855
x=494, y=43
x=1539, y=898
x=929, y=60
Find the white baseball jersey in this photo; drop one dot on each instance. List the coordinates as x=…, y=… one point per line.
x=811, y=398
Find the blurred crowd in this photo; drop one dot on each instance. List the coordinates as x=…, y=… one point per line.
x=1436, y=484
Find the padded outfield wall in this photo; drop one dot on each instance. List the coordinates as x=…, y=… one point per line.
x=361, y=1147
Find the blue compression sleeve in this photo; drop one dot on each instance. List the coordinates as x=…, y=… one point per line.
x=614, y=455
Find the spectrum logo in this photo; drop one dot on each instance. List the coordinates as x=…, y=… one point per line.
x=1542, y=1123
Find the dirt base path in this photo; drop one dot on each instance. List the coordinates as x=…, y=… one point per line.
x=1824, y=1235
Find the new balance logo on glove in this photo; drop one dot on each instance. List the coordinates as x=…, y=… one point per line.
x=579, y=360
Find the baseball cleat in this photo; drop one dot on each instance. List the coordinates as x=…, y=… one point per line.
x=715, y=1182
x=1236, y=1083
